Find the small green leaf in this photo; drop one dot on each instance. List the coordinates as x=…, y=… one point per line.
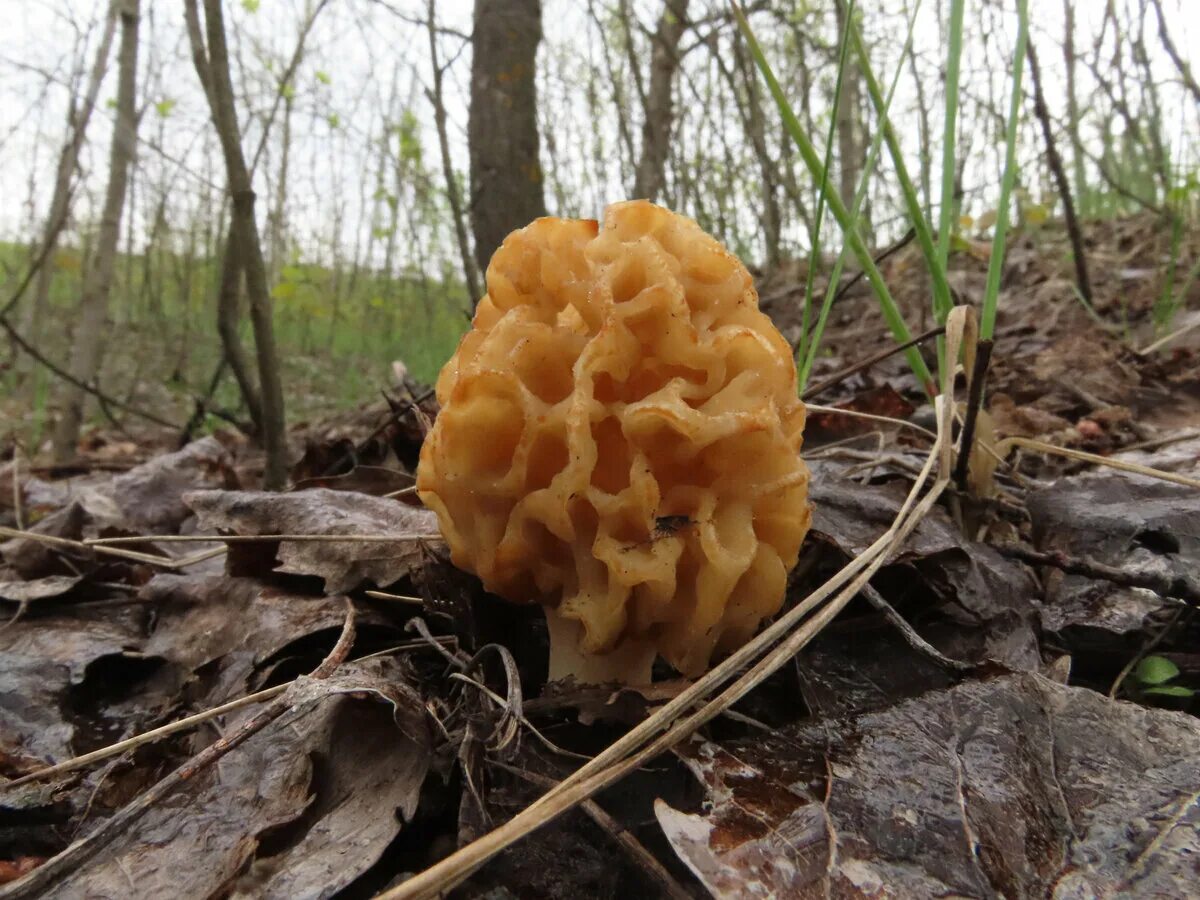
x=285, y=290
x=323, y=76
x=288, y=92
x=1171, y=690
x=250, y=6
x=334, y=120
x=111, y=103
x=1156, y=670
x=164, y=107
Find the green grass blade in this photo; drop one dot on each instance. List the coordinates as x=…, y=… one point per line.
x=887, y=303
x=953, y=58
x=860, y=194
x=991, y=293
x=942, y=300
x=814, y=256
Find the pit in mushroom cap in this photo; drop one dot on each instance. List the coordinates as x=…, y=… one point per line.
x=619, y=441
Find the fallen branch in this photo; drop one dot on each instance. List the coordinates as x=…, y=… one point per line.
x=1173, y=588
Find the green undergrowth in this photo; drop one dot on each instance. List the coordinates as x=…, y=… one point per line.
x=337, y=333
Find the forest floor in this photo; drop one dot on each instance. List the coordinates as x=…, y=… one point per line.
x=1009, y=707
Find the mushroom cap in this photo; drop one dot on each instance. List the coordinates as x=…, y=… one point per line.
x=619, y=436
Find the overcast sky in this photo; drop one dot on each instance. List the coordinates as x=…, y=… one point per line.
x=351, y=71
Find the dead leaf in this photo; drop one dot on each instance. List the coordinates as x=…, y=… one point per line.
x=1015, y=786
x=1118, y=519
x=990, y=601
x=38, y=588
x=345, y=565
x=301, y=809
x=150, y=496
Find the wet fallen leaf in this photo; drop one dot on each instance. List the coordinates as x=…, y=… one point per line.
x=1120, y=520
x=989, y=602
x=1016, y=786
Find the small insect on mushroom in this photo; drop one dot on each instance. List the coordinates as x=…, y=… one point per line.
x=611, y=373
x=665, y=526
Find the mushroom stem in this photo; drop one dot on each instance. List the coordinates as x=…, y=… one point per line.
x=629, y=663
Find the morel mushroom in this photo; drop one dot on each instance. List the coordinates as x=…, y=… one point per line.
x=619, y=442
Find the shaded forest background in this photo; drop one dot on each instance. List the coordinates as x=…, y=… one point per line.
x=248, y=211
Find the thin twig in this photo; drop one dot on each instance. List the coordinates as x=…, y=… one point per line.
x=400, y=598
x=199, y=718
x=978, y=377
x=871, y=417
x=909, y=633
x=394, y=415
x=79, y=853
x=18, y=509
x=1004, y=446
x=85, y=546
x=82, y=385
x=262, y=539
x=820, y=388
x=1145, y=648
x=642, y=858
x=1167, y=586
x=148, y=737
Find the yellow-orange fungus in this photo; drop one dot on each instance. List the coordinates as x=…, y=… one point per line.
x=619, y=439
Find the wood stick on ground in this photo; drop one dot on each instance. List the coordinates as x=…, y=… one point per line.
x=80, y=852
x=978, y=375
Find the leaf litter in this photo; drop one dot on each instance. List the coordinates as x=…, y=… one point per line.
x=948, y=732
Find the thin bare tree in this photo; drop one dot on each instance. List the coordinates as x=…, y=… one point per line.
x=659, y=109
x=91, y=323
x=79, y=114
x=244, y=254
x=453, y=195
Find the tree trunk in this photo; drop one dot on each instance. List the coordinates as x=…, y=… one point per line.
x=506, y=175
x=93, y=305
x=656, y=126
x=213, y=70
x=470, y=274
x=60, y=201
